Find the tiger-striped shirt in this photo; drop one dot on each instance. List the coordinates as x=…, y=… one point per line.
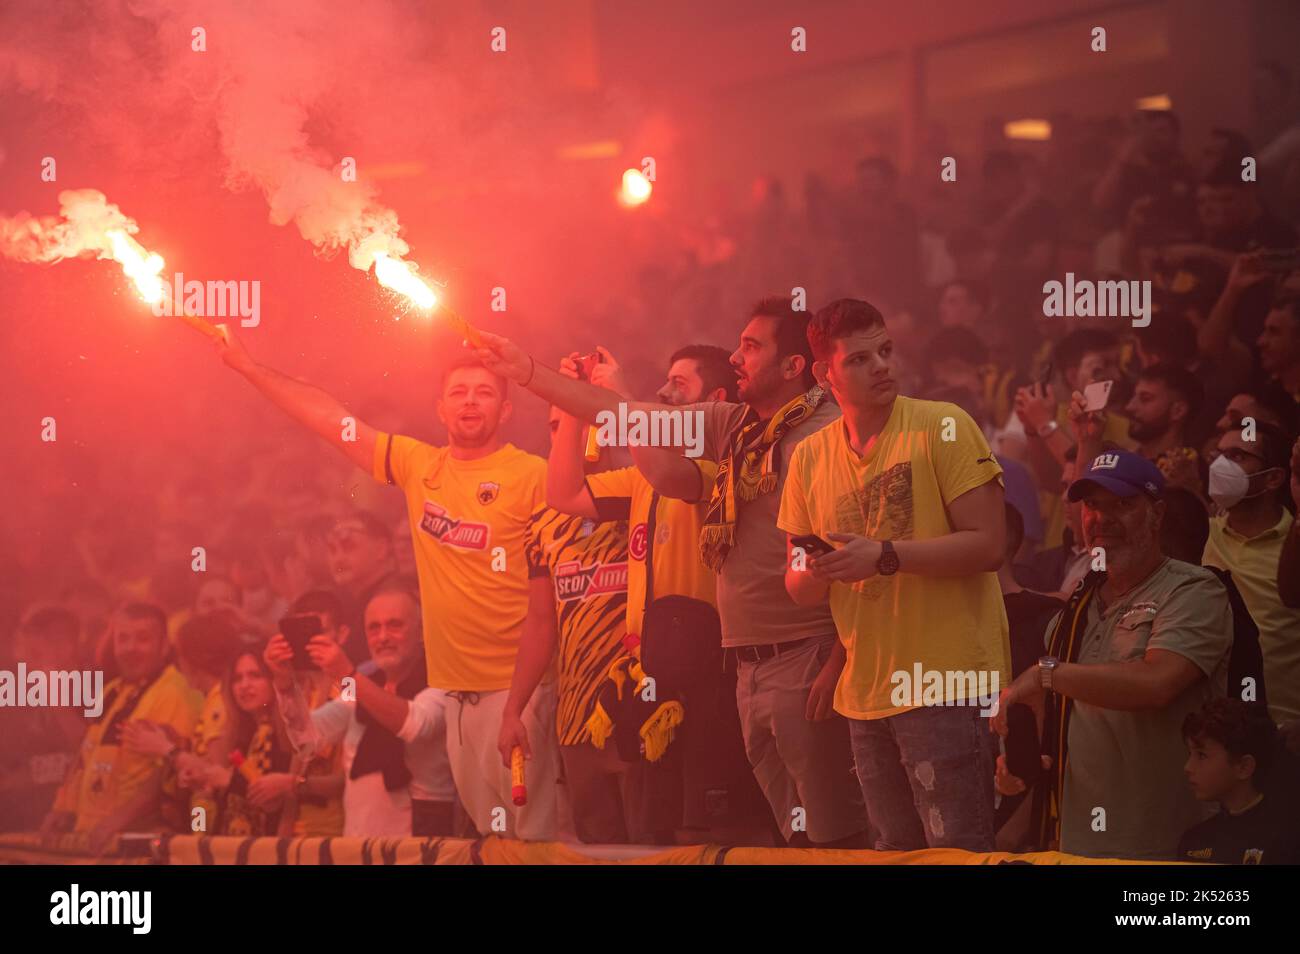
x=587, y=564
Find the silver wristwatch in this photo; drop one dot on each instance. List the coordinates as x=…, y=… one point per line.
x=1046, y=666
x=1048, y=429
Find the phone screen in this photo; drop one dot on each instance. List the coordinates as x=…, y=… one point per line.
x=1097, y=394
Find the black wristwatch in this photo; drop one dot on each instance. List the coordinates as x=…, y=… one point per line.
x=887, y=565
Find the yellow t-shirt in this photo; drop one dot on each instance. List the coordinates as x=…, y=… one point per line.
x=625, y=494
x=899, y=490
x=1253, y=565
x=107, y=776
x=468, y=526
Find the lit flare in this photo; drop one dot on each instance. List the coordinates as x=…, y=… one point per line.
x=141, y=266
x=636, y=188
x=397, y=275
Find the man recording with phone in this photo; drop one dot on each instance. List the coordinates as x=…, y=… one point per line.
x=391, y=727
x=787, y=656
x=704, y=784
x=1083, y=357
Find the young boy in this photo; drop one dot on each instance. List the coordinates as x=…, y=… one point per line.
x=1231, y=746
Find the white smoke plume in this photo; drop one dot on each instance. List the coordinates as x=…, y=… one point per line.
x=282, y=90
x=81, y=229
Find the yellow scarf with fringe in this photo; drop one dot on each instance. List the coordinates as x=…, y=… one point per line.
x=748, y=472
x=620, y=697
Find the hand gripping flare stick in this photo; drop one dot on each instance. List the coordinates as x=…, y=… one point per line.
x=518, y=790
x=197, y=323
x=203, y=327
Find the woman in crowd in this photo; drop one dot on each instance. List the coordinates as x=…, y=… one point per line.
x=253, y=785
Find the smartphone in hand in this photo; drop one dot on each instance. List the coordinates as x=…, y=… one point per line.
x=586, y=363
x=812, y=545
x=297, y=632
x=1096, y=395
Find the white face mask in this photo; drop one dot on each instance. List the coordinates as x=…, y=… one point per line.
x=1229, y=484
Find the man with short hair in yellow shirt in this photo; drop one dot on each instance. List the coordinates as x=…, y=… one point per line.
x=468, y=504
x=111, y=789
x=910, y=492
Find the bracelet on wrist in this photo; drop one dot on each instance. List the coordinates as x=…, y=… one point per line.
x=532, y=370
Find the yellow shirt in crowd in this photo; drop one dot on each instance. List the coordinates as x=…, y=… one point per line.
x=899, y=490
x=625, y=494
x=1253, y=565
x=207, y=729
x=468, y=526
x=107, y=776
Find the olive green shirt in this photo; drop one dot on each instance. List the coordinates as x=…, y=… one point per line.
x=1129, y=764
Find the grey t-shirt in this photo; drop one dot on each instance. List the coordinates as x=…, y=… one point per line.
x=752, y=601
x=1130, y=764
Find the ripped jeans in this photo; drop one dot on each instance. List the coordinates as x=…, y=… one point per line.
x=927, y=778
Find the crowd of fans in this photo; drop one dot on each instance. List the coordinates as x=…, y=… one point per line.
x=312, y=671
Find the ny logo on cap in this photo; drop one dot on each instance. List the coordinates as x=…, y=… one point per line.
x=1106, y=462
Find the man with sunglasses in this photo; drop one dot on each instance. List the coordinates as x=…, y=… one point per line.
x=1249, y=473
x=361, y=558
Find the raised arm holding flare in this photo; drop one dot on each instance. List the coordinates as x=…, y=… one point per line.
x=469, y=503
x=307, y=404
x=667, y=470
x=800, y=755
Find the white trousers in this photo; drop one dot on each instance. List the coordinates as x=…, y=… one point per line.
x=483, y=783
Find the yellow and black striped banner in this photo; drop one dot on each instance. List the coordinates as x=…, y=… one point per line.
x=203, y=850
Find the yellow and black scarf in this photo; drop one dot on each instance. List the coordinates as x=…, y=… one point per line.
x=1066, y=641
x=260, y=756
x=639, y=726
x=747, y=472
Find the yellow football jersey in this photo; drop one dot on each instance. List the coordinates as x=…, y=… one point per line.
x=469, y=521
x=665, y=529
